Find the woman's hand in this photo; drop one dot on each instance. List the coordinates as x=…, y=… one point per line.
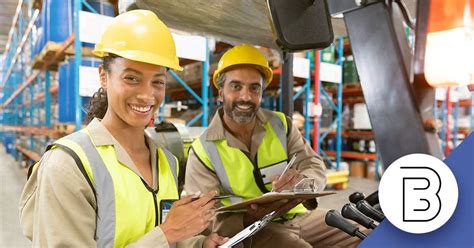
x=188, y=217
x=213, y=241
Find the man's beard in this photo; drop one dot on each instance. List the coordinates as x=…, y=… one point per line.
x=240, y=117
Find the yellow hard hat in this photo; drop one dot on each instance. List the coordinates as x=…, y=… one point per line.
x=140, y=36
x=243, y=55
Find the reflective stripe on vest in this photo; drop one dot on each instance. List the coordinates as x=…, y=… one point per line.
x=173, y=166
x=216, y=160
x=280, y=130
x=103, y=183
x=105, y=232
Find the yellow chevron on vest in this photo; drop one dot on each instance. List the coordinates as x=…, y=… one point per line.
x=240, y=174
x=134, y=203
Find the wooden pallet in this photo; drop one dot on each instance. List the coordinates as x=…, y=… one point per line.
x=49, y=51
x=64, y=128
x=86, y=51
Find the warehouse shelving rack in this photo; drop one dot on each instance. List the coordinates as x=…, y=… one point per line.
x=306, y=91
x=204, y=98
x=341, y=95
x=28, y=92
x=446, y=108
x=15, y=80
x=319, y=91
x=274, y=102
x=207, y=91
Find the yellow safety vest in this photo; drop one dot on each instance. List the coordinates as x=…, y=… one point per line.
x=126, y=207
x=238, y=175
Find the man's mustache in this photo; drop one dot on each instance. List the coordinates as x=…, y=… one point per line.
x=251, y=104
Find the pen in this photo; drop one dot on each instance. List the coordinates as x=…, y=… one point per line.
x=288, y=166
x=217, y=197
x=220, y=197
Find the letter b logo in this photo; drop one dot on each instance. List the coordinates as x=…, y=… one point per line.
x=418, y=193
x=421, y=201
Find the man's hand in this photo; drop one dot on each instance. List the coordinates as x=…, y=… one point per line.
x=257, y=211
x=287, y=181
x=214, y=240
x=188, y=217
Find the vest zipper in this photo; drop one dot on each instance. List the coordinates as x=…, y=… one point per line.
x=156, y=207
x=153, y=193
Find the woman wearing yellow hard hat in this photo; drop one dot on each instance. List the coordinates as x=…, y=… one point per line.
x=109, y=185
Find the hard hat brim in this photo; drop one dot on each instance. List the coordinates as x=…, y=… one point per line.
x=266, y=71
x=141, y=56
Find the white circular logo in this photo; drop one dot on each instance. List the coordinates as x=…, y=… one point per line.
x=418, y=193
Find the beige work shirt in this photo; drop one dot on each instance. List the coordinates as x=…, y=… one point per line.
x=200, y=178
x=58, y=207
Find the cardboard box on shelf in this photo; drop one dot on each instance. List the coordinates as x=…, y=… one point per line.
x=371, y=171
x=357, y=169
x=192, y=72
x=361, y=117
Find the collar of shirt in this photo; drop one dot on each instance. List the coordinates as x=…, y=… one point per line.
x=102, y=137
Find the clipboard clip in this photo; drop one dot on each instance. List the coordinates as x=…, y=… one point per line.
x=306, y=185
x=250, y=230
x=267, y=219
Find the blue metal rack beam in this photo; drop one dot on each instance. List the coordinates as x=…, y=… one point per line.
x=204, y=98
x=191, y=91
x=307, y=90
x=455, y=124
x=77, y=63
x=205, y=87
x=340, y=51
x=12, y=61
x=443, y=130
x=337, y=122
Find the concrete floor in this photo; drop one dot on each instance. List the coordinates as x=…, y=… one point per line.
x=11, y=184
x=13, y=178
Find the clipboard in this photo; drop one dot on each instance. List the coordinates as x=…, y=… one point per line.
x=274, y=196
x=249, y=231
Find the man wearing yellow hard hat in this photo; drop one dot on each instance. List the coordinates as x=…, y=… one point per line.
x=109, y=184
x=244, y=151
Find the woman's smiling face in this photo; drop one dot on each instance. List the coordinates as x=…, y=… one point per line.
x=135, y=90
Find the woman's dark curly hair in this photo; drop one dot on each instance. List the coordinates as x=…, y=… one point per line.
x=98, y=103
